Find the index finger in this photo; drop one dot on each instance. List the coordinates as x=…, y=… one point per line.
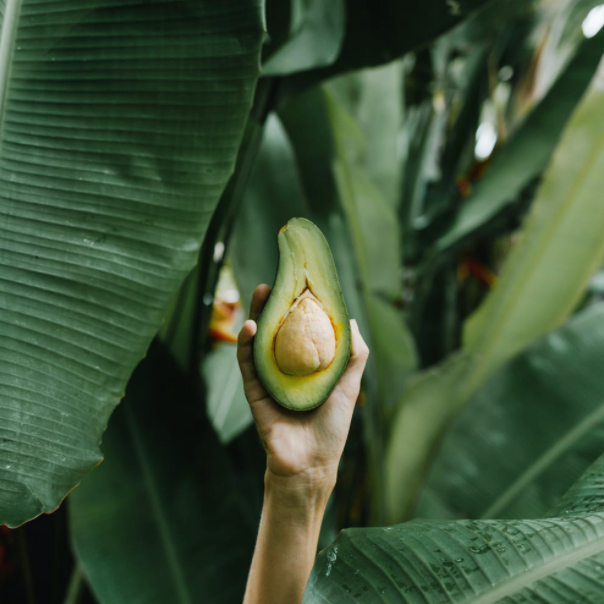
x=251, y=385
x=259, y=298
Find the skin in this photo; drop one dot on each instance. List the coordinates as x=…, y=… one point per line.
x=303, y=451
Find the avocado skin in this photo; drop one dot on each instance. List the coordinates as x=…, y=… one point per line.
x=318, y=404
x=305, y=262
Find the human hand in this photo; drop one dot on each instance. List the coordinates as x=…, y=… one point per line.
x=303, y=448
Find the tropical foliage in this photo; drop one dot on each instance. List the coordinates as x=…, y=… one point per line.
x=453, y=155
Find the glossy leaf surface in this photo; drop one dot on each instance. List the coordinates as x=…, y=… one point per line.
x=159, y=521
x=119, y=127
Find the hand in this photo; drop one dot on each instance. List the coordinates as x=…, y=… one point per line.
x=303, y=448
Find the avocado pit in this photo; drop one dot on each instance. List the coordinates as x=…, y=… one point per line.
x=305, y=342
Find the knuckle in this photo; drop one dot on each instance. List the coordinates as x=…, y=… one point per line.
x=362, y=353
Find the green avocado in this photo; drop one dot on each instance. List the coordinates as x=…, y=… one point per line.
x=302, y=345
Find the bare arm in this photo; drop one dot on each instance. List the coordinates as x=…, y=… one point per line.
x=303, y=452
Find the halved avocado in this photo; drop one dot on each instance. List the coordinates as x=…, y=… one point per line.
x=302, y=345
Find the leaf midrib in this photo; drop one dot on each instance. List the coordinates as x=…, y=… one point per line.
x=539, y=251
x=545, y=461
x=8, y=35
x=518, y=582
x=165, y=533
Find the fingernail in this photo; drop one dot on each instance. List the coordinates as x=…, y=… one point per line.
x=251, y=325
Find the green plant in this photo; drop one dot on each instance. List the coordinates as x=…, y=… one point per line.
x=142, y=160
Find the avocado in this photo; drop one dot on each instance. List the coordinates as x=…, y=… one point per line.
x=303, y=340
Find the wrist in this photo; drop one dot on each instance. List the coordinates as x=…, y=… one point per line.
x=302, y=492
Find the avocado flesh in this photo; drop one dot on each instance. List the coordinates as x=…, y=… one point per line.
x=306, y=279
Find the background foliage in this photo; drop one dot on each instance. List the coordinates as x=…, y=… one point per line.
x=452, y=153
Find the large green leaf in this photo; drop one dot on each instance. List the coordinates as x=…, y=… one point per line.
x=376, y=245
x=363, y=205
x=547, y=272
x=380, y=31
x=307, y=125
x=394, y=351
x=564, y=36
x=469, y=562
x=160, y=520
x=542, y=281
x=530, y=432
x=315, y=43
x=375, y=98
x=472, y=562
x=525, y=155
x=119, y=127
x=227, y=406
x=585, y=496
x=440, y=139
x=283, y=20
x=274, y=195
x=424, y=412
x=424, y=135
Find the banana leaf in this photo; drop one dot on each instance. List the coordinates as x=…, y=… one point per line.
x=378, y=259
x=375, y=99
x=558, y=559
x=383, y=30
x=523, y=158
x=316, y=42
x=160, y=520
x=274, y=195
x=585, y=496
x=119, y=129
x=227, y=407
x=529, y=433
x=559, y=247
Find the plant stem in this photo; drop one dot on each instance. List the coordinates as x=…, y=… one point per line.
x=25, y=566
x=223, y=219
x=76, y=583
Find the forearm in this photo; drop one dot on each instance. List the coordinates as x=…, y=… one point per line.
x=287, y=540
